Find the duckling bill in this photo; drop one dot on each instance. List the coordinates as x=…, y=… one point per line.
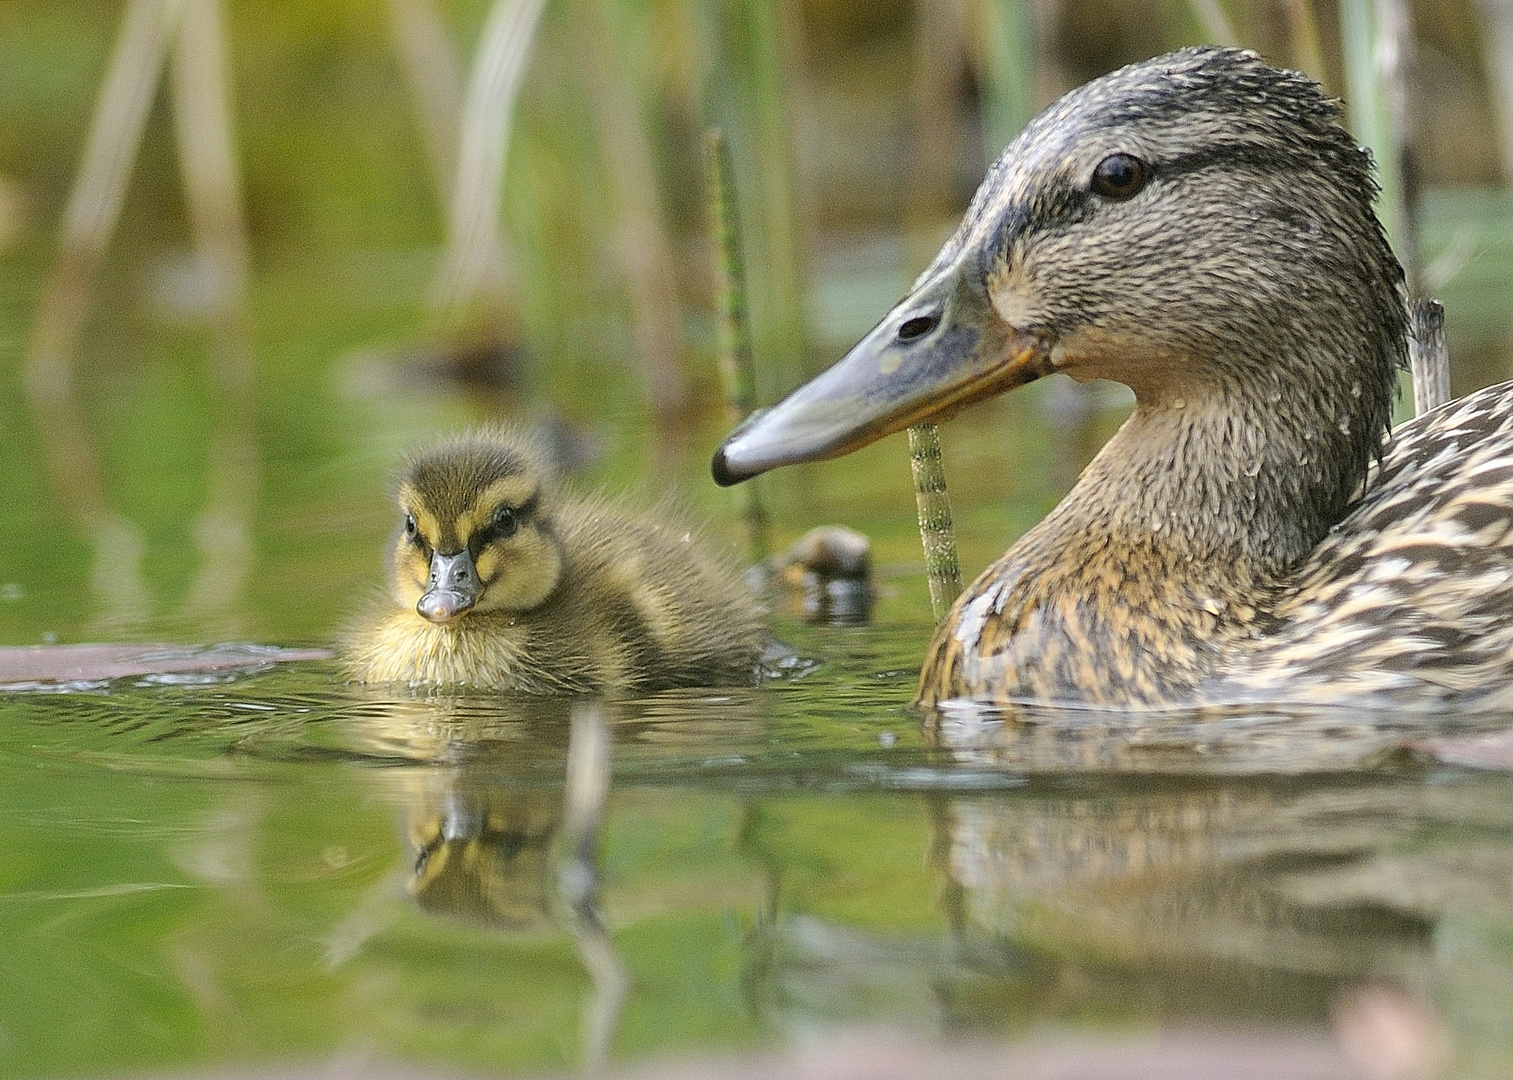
x=498, y=583
x=1200, y=228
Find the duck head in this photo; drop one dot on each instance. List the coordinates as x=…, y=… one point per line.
x=1197, y=226
x=475, y=536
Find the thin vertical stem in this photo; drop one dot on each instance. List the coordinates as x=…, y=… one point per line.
x=936, y=532
x=736, y=366
x=94, y=204
x=472, y=267
x=584, y=798
x=1428, y=354
x=1376, y=41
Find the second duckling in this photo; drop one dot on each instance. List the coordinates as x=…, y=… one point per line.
x=500, y=586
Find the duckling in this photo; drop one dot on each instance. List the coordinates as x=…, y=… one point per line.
x=499, y=584
x=1200, y=228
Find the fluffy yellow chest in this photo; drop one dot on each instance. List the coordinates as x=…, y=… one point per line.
x=408, y=650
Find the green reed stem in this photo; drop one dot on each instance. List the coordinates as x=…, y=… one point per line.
x=737, y=370
x=942, y=566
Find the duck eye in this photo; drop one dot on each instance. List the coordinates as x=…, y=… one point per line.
x=506, y=521
x=1120, y=176
x=411, y=529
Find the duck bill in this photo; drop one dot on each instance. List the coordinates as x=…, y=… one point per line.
x=939, y=350
x=452, y=590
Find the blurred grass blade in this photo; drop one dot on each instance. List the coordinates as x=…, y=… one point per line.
x=642, y=244
x=94, y=203
x=474, y=271
x=737, y=369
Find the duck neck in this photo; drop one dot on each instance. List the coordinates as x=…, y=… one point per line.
x=1227, y=480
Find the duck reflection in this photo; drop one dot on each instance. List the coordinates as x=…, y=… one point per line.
x=503, y=805
x=482, y=794
x=481, y=849
x=1145, y=896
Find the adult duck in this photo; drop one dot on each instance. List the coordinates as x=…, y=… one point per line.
x=1198, y=227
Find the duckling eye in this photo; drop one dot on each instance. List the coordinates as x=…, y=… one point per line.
x=1120, y=176
x=412, y=531
x=506, y=521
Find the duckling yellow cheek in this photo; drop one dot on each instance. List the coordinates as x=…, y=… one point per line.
x=411, y=572
x=519, y=574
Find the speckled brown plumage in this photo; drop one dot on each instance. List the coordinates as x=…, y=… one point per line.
x=1198, y=227
x=563, y=596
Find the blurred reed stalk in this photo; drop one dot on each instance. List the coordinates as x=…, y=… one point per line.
x=201, y=98
x=472, y=281
x=939, y=71
x=94, y=203
x=1305, y=39
x=753, y=75
x=1378, y=47
x=430, y=67
x=1497, y=46
x=1216, y=24
x=584, y=798
x=208, y=160
x=642, y=237
x=737, y=370
x=1428, y=354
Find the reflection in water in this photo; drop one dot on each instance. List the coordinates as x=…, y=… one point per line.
x=1218, y=740
x=494, y=845
x=481, y=850
x=765, y=882
x=825, y=576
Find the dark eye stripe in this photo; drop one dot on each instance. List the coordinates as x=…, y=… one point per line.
x=1064, y=204
x=493, y=531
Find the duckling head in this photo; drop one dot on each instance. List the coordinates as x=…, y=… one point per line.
x=1197, y=226
x=475, y=535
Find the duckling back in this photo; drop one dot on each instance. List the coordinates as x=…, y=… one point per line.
x=498, y=584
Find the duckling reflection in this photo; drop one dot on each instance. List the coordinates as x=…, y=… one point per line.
x=482, y=797
x=492, y=842
x=482, y=850
x=501, y=584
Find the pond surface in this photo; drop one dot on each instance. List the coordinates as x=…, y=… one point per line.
x=274, y=866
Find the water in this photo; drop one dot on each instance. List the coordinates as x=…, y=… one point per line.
x=281, y=867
